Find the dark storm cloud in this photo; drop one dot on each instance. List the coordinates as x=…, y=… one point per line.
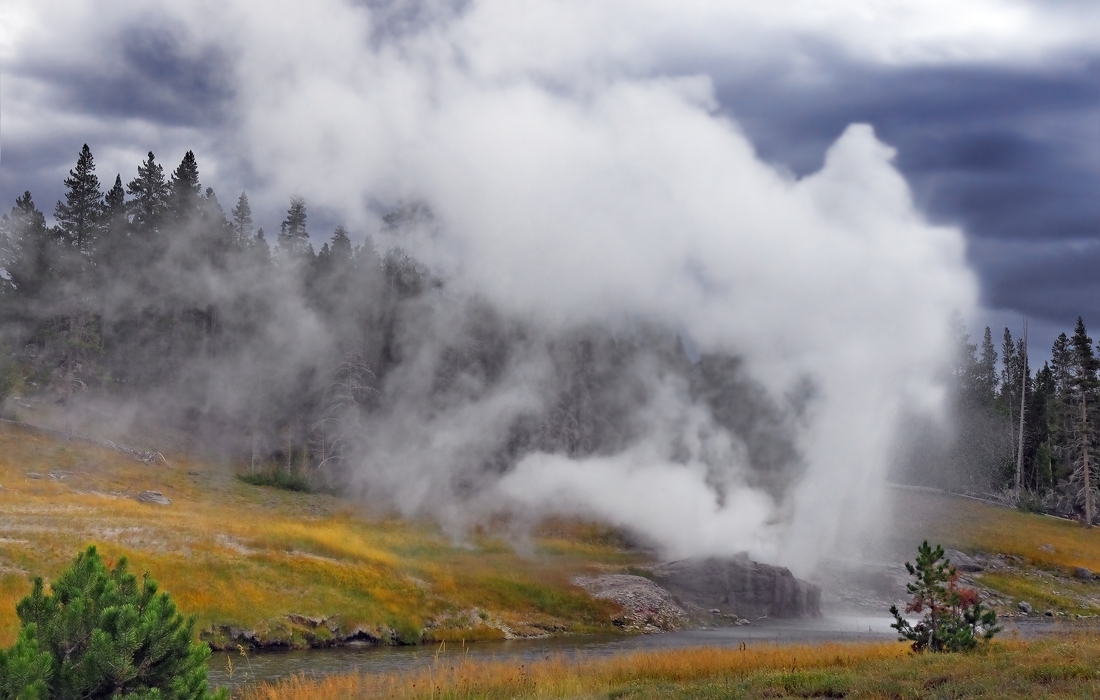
x=1011, y=155
x=153, y=76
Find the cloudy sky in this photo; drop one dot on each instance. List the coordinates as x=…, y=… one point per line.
x=993, y=105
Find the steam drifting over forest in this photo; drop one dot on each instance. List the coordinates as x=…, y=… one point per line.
x=567, y=283
x=728, y=383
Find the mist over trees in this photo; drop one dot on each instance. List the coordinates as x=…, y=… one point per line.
x=1052, y=466
x=326, y=363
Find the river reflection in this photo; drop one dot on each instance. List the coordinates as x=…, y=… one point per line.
x=272, y=665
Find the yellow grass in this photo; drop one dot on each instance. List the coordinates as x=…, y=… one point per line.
x=236, y=554
x=565, y=676
x=1046, y=550
x=1051, y=667
x=974, y=526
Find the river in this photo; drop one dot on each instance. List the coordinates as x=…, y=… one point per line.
x=272, y=665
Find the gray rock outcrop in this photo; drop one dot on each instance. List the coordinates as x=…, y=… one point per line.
x=646, y=606
x=738, y=586
x=962, y=562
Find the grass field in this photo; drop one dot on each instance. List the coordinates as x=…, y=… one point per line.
x=1040, y=553
x=1048, y=668
x=246, y=556
x=242, y=555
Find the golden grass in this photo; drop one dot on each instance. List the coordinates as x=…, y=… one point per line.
x=1049, y=667
x=232, y=553
x=565, y=676
x=974, y=526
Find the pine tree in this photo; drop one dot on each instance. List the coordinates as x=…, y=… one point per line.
x=28, y=250
x=954, y=617
x=100, y=633
x=184, y=199
x=1084, y=383
x=1043, y=399
x=216, y=232
x=964, y=368
x=77, y=217
x=985, y=372
x=1010, y=384
x=341, y=244
x=150, y=194
x=242, y=222
x=1061, y=410
x=259, y=249
x=293, y=238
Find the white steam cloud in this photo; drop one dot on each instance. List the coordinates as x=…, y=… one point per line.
x=569, y=191
x=571, y=185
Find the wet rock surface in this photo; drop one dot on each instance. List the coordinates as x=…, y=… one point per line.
x=737, y=586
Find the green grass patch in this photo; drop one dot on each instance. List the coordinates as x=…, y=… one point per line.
x=1043, y=594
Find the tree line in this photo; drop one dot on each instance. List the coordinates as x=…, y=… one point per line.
x=299, y=359
x=1032, y=435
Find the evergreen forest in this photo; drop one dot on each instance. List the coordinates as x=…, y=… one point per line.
x=323, y=364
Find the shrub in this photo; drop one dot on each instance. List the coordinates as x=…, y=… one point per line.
x=100, y=633
x=954, y=619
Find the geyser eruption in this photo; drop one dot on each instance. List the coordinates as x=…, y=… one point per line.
x=633, y=317
x=831, y=290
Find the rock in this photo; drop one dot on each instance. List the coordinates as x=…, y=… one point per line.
x=34, y=475
x=646, y=606
x=1082, y=573
x=154, y=497
x=961, y=561
x=1025, y=607
x=739, y=586
x=1049, y=613
x=1048, y=548
x=305, y=621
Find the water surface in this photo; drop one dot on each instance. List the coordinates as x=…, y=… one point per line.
x=272, y=665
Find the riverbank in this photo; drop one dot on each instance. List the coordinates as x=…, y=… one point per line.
x=1042, y=667
x=266, y=567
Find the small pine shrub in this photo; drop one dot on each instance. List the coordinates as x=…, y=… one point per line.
x=954, y=618
x=99, y=633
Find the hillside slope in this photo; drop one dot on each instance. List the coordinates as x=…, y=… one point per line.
x=246, y=557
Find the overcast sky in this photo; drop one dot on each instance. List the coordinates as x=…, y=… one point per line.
x=993, y=105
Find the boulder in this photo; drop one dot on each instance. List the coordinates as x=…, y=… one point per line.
x=961, y=561
x=1025, y=607
x=738, y=586
x=1083, y=573
x=646, y=606
x=154, y=497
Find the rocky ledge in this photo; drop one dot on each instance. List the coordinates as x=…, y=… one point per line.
x=712, y=591
x=738, y=586
x=666, y=597
x=647, y=607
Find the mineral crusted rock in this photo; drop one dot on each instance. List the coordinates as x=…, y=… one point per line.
x=738, y=586
x=646, y=606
